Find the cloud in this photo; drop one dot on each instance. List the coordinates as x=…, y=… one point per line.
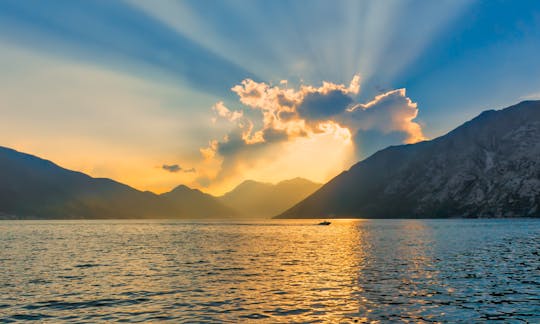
x=274, y=116
x=173, y=168
x=389, y=112
x=318, y=106
x=223, y=111
x=531, y=96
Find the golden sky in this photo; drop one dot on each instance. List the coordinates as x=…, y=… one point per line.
x=178, y=92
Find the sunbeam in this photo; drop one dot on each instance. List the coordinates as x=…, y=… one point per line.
x=420, y=54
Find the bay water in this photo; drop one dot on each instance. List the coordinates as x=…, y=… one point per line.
x=271, y=271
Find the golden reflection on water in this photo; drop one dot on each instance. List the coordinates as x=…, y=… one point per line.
x=269, y=271
x=291, y=272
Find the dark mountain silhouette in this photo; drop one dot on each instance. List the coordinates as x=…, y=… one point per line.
x=31, y=187
x=258, y=199
x=488, y=167
x=195, y=202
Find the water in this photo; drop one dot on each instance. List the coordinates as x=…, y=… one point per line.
x=272, y=271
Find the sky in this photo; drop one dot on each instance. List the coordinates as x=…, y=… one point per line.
x=209, y=93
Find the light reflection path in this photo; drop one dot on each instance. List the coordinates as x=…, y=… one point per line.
x=270, y=271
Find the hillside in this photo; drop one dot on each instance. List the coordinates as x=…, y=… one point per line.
x=34, y=188
x=488, y=167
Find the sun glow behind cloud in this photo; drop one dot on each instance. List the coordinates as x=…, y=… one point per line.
x=307, y=131
x=119, y=89
x=128, y=133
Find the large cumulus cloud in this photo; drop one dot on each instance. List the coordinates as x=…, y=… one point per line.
x=389, y=112
x=274, y=115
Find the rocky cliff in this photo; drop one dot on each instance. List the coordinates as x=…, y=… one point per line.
x=488, y=167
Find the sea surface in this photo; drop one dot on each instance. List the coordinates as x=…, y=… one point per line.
x=277, y=271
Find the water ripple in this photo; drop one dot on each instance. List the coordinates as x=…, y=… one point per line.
x=276, y=271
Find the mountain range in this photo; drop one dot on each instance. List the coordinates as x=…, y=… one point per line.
x=34, y=188
x=487, y=167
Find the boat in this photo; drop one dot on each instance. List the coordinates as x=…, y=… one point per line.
x=324, y=223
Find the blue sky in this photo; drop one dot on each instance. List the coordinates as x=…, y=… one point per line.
x=121, y=88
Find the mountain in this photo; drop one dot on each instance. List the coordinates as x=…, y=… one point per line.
x=258, y=199
x=31, y=187
x=195, y=202
x=488, y=167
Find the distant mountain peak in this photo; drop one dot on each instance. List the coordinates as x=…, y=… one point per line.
x=251, y=183
x=183, y=188
x=262, y=199
x=296, y=180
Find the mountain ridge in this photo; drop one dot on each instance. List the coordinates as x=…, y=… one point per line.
x=35, y=188
x=454, y=175
x=254, y=199
x=192, y=200
x=487, y=167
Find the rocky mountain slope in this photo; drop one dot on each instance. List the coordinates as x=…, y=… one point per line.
x=488, y=167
